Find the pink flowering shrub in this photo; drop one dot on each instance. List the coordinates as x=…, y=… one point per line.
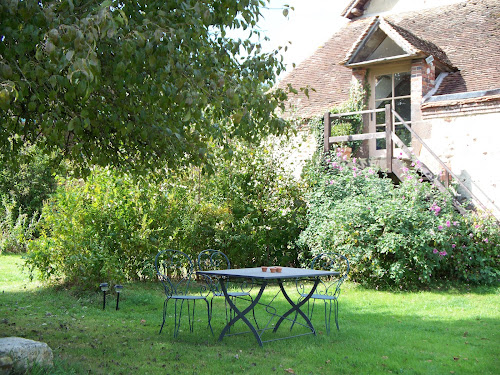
x=405, y=235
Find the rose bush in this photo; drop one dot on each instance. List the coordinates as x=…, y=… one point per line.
x=405, y=235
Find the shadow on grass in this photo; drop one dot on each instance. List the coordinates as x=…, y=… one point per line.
x=380, y=332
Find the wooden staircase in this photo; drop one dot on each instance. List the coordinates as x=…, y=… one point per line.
x=395, y=165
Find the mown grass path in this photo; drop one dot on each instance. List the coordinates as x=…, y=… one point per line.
x=437, y=332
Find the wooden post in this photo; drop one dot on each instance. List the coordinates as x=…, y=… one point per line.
x=365, y=146
x=388, y=137
x=328, y=131
x=445, y=175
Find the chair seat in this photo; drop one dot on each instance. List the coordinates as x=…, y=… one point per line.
x=180, y=296
x=232, y=294
x=320, y=296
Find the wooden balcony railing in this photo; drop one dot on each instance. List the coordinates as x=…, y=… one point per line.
x=392, y=164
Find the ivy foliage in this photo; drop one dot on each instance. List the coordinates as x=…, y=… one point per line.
x=345, y=125
x=136, y=84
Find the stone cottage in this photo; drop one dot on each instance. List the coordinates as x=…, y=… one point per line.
x=437, y=62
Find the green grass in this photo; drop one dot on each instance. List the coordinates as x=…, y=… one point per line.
x=429, y=332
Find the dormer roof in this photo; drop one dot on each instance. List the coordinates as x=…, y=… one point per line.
x=383, y=42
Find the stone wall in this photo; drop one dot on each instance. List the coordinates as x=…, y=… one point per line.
x=469, y=144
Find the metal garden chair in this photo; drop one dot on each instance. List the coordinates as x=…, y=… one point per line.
x=209, y=260
x=328, y=290
x=175, y=269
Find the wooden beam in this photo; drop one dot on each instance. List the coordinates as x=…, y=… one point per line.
x=328, y=131
x=388, y=137
x=356, y=137
x=335, y=115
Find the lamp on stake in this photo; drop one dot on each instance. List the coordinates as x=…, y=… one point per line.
x=118, y=290
x=104, y=288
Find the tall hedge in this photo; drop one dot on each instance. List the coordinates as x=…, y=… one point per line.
x=110, y=226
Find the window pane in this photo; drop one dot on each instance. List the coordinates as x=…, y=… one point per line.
x=380, y=143
x=403, y=134
x=380, y=116
x=403, y=108
x=402, y=84
x=383, y=86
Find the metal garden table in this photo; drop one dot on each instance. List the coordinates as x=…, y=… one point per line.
x=264, y=278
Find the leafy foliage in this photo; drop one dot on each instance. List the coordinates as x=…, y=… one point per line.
x=16, y=228
x=135, y=84
x=267, y=207
x=30, y=181
x=407, y=235
x=110, y=226
x=345, y=125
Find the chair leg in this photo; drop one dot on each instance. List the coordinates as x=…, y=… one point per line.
x=209, y=316
x=312, y=309
x=227, y=317
x=177, y=324
x=191, y=316
x=175, y=318
x=337, y=314
x=164, y=314
x=253, y=313
x=328, y=316
x=210, y=311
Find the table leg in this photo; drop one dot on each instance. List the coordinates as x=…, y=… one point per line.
x=296, y=307
x=241, y=314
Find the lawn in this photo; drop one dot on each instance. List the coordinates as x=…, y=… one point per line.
x=454, y=331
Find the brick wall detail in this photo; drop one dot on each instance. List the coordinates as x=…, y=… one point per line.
x=359, y=75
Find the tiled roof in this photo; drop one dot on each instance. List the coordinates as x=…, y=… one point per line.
x=322, y=72
x=421, y=44
x=464, y=35
x=353, y=4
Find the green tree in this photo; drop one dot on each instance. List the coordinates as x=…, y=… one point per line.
x=137, y=84
x=30, y=181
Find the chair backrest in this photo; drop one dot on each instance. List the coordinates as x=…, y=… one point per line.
x=211, y=260
x=331, y=262
x=174, y=269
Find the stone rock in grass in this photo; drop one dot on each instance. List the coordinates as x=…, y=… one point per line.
x=24, y=353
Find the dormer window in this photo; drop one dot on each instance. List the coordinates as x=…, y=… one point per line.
x=389, y=52
x=378, y=48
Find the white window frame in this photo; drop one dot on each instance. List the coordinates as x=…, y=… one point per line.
x=373, y=73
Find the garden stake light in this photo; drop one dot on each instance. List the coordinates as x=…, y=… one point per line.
x=104, y=288
x=118, y=290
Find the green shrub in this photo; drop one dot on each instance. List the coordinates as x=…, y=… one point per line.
x=110, y=226
x=267, y=207
x=407, y=235
x=15, y=228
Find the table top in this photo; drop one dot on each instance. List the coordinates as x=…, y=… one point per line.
x=257, y=273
